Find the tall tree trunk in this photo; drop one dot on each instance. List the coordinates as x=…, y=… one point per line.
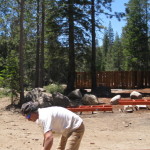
x=37, y=73
x=21, y=53
x=71, y=66
x=93, y=66
x=147, y=55
x=42, y=46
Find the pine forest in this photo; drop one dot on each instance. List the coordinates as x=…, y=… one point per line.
x=48, y=41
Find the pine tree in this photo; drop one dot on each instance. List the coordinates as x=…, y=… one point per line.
x=117, y=54
x=135, y=36
x=107, y=48
x=21, y=53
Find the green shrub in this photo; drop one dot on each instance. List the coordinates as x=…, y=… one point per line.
x=4, y=93
x=54, y=88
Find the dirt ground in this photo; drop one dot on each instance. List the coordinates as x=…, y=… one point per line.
x=104, y=130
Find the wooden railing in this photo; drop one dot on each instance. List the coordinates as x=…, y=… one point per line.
x=115, y=79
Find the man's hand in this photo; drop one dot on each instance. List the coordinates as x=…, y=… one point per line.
x=48, y=140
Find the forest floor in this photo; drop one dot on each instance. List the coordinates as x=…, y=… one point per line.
x=104, y=130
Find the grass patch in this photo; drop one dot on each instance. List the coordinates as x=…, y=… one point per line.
x=54, y=88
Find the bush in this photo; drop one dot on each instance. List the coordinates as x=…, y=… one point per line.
x=51, y=88
x=4, y=92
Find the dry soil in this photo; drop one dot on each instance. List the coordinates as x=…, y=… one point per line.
x=104, y=130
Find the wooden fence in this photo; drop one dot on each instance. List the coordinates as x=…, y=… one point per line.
x=115, y=79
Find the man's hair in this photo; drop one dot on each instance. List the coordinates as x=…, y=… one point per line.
x=29, y=107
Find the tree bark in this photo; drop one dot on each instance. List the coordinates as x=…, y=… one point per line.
x=93, y=66
x=37, y=73
x=71, y=66
x=42, y=46
x=21, y=53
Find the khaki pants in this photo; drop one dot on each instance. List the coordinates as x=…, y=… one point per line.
x=73, y=140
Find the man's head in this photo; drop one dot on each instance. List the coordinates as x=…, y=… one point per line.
x=29, y=109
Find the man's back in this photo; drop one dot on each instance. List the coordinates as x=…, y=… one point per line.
x=58, y=119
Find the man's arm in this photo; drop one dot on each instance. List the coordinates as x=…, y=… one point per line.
x=48, y=140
